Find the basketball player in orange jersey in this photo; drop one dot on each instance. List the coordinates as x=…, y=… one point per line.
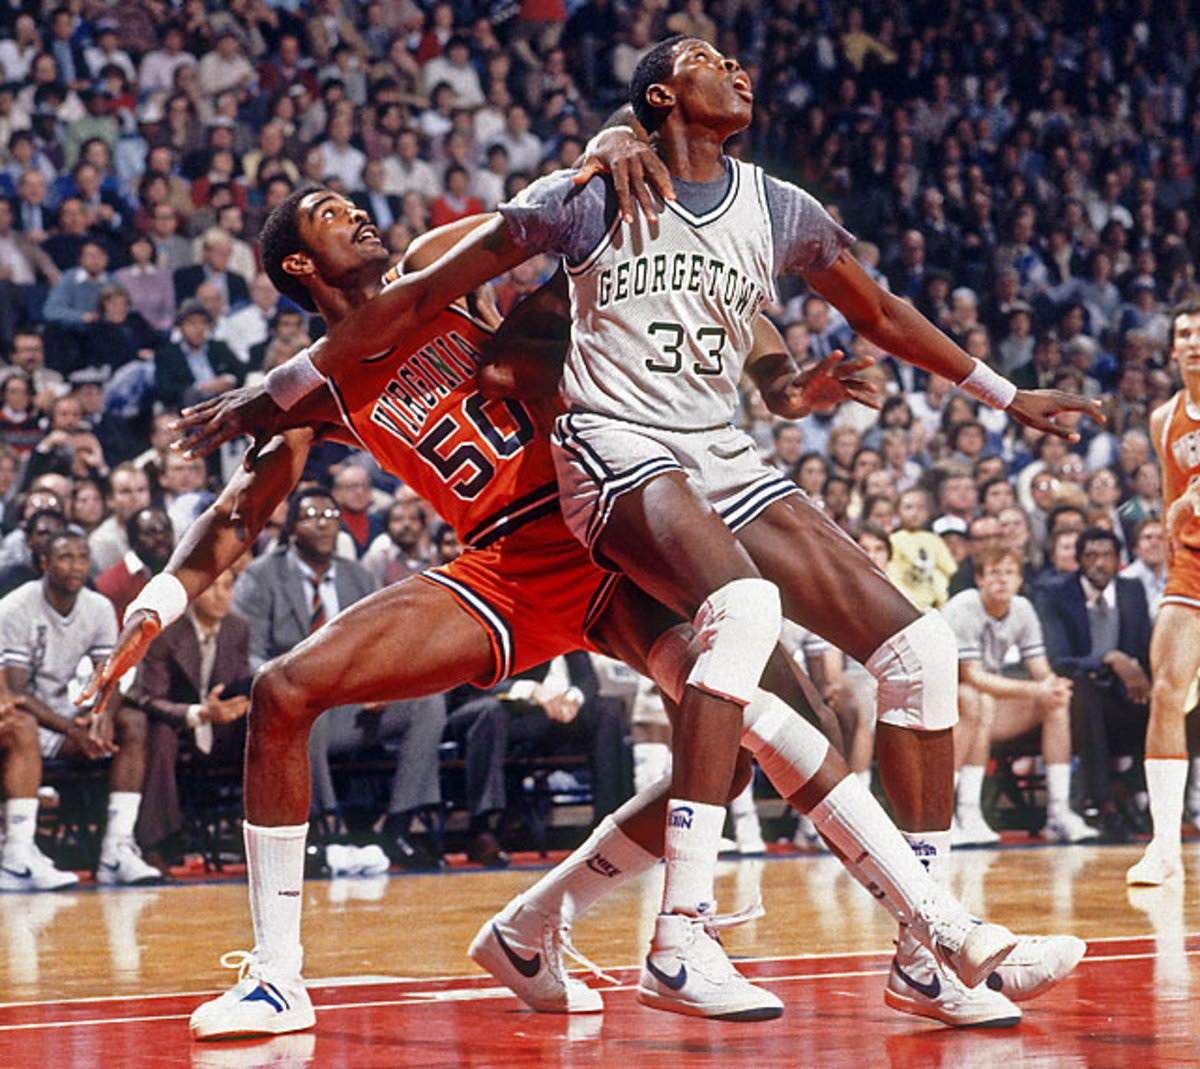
x=471, y=623
x=1175, y=644
x=655, y=481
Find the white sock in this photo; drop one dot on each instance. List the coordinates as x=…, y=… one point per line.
x=1165, y=779
x=855, y=825
x=607, y=859
x=122, y=815
x=651, y=761
x=20, y=818
x=933, y=851
x=970, y=786
x=693, y=838
x=1193, y=791
x=743, y=804
x=1058, y=789
x=864, y=777
x=275, y=871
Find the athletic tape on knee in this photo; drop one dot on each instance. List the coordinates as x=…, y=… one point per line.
x=917, y=670
x=668, y=660
x=738, y=626
x=787, y=747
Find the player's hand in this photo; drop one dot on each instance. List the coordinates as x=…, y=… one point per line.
x=1183, y=513
x=1055, y=686
x=826, y=385
x=94, y=735
x=562, y=708
x=635, y=168
x=141, y=628
x=205, y=427
x=1040, y=409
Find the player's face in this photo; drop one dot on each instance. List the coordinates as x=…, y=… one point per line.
x=711, y=88
x=341, y=239
x=1186, y=348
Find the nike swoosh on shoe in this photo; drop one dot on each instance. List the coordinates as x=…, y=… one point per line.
x=675, y=983
x=24, y=875
x=527, y=967
x=930, y=990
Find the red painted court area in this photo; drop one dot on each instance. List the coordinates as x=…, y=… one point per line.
x=1129, y=1003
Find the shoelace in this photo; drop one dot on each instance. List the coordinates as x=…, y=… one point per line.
x=562, y=943
x=245, y=961
x=718, y=922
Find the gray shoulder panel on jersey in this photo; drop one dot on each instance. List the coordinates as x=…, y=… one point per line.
x=806, y=236
x=554, y=215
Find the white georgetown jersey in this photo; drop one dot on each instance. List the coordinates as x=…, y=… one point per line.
x=663, y=312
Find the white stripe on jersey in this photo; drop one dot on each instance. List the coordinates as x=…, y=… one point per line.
x=663, y=313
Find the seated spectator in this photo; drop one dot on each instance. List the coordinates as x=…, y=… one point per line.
x=288, y=594
x=921, y=565
x=455, y=202
x=87, y=504
x=195, y=366
x=194, y=687
x=352, y=492
x=68, y=447
x=128, y=492
x=1149, y=566
x=403, y=547
x=1097, y=630
x=45, y=492
x=998, y=634
x=23, y=867
x=119, y=336
x=41, y=672
x=982, y=531
x=150, y=287
x=39, y=527
x=216, y=247
x=20, y=425
x=72, y=304
x=151, y=539
x=29, y=354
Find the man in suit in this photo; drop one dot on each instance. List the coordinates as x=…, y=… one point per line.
x=290, y=593
x=383, y=208
x=196, y=366
x=151, y=539
x=185, y=688
x=1097, y=631
x=216, y=246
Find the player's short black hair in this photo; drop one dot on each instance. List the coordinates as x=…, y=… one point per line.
x=655, y=66
x=278, y=239
x=1188, y=306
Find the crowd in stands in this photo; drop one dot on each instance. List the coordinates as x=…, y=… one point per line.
x=1024, y=174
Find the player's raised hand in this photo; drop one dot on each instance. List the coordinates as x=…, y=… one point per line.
x=1040, y=409
x=826, y=385
x=141, y=628
x=1183, y=513
x=634, y=166
x=203, y=428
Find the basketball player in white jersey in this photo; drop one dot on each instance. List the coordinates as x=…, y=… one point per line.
x=656, y=483
x=1175, y=644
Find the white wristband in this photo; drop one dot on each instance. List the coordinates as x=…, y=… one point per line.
x=164, y=596
x=989, y=386
x=293, y=380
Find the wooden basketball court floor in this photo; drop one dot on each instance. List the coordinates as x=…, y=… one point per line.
x=108, y=976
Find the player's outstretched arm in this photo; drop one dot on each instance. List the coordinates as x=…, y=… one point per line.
x=224, y=531
x=901, y=330
x=524, y=358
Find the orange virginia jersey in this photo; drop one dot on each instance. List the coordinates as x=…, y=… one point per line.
x=485, y=466
x=1180, y=452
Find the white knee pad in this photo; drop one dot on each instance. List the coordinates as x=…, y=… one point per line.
x=668, y=660
x=917, y=670
x=787, y=747
x=738, y=626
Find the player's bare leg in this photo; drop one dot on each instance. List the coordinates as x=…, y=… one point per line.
x=1174, y=662
x=404, y=641
x=829, y=586
x=673, y=546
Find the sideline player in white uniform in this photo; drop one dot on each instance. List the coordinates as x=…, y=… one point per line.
x=1175, y=643
x=659, y=503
